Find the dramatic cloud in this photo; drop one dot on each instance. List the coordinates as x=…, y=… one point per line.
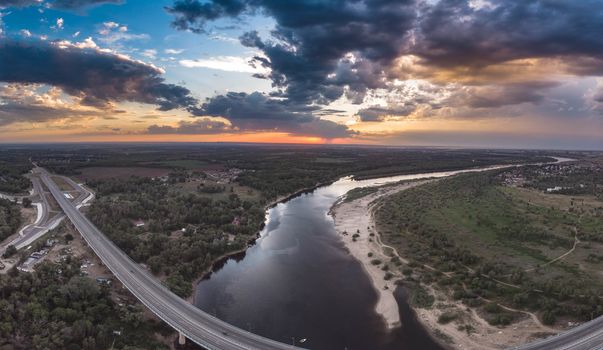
x=493, y=96
x=318, y=47
x=257, y=112
x=198, y=127
x=95, y=76
x=459, y=33
x=379, y=113
x=322, y=50
x=25, y=103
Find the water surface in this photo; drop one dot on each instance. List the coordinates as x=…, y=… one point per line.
x=298, y=281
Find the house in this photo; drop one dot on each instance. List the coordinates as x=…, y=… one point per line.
x=104, y=281
x=554, y=189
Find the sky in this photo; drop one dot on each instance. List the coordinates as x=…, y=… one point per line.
x=462, y=73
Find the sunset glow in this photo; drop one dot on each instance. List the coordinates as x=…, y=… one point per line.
x=176, y=74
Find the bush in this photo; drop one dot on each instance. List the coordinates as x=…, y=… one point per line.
x=10, y=251
x=26, y=202
x=500, y=319
x=447, y=317
x=421, y=298
x=549, y=318
x=492, y=308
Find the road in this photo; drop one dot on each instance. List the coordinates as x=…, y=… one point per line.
x=46, y=219
x=198, y=326
x=588, y=336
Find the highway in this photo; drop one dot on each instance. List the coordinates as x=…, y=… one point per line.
x=46, y=219
x=198, y=326
x=588, y=336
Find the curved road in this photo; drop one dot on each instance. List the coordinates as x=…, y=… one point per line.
x=588, y=336
x=45, y=221
x=196, y=325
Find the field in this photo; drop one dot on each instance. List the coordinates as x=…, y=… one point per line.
x=63, y=185
x=516, y=246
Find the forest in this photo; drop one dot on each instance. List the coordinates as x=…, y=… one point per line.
x=183, y=233
x=55, y=308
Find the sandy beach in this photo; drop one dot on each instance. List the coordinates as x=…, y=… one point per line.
x=355, y=217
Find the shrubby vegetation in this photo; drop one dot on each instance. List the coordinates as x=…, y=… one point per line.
x=485, y=234
x=55, y=308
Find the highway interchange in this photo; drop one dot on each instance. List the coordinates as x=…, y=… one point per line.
x=198, y=326
x=47, y=217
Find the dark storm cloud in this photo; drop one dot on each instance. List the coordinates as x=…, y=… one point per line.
x=378, y=113
x=257, y=112
x=95, y=76
x=494, y=96
x=59, y=4
x=455, y=33
x=190, y=12
x=308, y=55
x=197, y=127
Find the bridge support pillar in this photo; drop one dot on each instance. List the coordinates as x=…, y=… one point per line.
x=181, y=339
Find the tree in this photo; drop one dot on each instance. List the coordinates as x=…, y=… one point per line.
x=549, y=318
x=26, y=202
x=10, y=251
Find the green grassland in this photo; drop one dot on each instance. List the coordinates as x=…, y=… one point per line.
x=484, y=235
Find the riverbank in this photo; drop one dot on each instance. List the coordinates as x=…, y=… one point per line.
x=355, y=217
x=354, y=224
x=222, y=259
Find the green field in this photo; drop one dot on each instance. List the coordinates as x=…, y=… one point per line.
x=498, y=243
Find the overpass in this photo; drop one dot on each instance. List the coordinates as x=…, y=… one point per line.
x=192, y=323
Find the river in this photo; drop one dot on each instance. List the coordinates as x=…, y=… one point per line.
x=298, y=283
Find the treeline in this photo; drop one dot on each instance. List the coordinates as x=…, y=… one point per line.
x=276, y=173
x=182, y=233
x=10, y=218
x=55, y=308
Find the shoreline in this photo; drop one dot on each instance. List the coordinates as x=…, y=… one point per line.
x=356, y=217
x=222, y=259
